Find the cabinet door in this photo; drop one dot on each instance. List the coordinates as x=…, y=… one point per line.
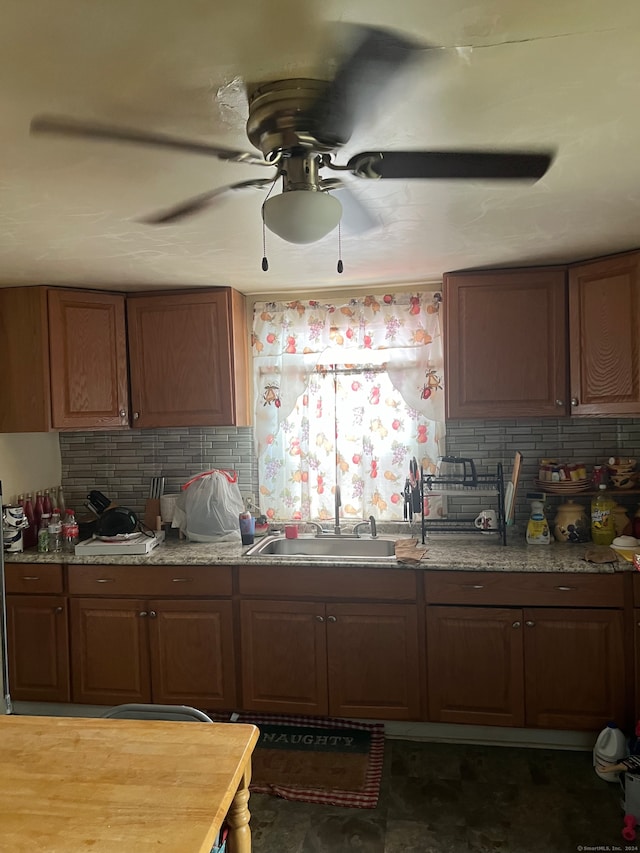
x=475, y=665
x=505, y=344
x=575, y=672
x=372, y=652
x=604, y=333
x=38, y=648
x=88, y=352
x=284, y=657
x=188, y=356
x=192, y=653
x=109, y=651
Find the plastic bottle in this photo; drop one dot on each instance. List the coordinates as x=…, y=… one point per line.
x=70, y=532
x=47, y=506
x=610, y=747
x=43, y=534
x=31, y=532
x=55, y=531
x=537, y=527
x=602, y=526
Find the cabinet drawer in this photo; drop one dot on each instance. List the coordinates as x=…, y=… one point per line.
x=33, y=577
x=544, y=589
x=150, y=580
x=328, y=582
x=636, y=589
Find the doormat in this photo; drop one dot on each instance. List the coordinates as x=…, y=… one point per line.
x=317, y=759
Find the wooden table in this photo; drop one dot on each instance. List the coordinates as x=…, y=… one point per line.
x=70, y=784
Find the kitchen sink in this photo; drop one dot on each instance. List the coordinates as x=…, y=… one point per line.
x=325, y=547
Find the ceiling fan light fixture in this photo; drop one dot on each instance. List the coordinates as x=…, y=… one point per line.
x=302, y=216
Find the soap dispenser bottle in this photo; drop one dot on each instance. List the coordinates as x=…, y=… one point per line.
x=538, y=532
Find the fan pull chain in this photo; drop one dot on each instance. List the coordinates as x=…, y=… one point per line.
x=340, y=264
x=265, y=262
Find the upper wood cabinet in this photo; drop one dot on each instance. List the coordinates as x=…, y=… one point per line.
x=604, y=335
x=65, y=360
x=188, y=357
x=505, y=334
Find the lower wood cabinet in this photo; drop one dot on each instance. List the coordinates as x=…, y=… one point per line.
x=344, y=659
x=163, y=651
x=38, y=648
x=37, y=633
x=559, y=668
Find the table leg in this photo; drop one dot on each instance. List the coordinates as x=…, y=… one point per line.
x=239, y=838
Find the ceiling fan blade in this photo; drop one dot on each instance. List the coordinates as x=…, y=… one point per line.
x=199, y=202
x=103, y=132
x=505, y=165
x=356, y=217
x=376, y=56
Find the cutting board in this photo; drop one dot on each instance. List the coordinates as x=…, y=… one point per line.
x=512, y=489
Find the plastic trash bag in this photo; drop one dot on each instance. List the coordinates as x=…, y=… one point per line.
x=208, y=507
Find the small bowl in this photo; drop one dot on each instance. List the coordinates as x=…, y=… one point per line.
x=623, y=481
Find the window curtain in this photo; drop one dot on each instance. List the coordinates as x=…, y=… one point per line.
x=346, y=394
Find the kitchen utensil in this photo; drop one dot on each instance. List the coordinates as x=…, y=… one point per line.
x=487, y=521
x=97, y=502
x=458, y=470
x=515, y=477
x=414, y=478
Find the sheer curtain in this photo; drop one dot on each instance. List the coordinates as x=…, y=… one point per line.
x=346, y=394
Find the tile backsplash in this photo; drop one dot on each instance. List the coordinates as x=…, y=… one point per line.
x=121, y=464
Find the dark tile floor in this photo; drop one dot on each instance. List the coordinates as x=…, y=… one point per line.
x=446, y=798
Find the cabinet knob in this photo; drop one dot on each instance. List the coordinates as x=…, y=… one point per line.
x=529, y=623
x=123, y=413
x=152, y=614
x=319, y=618
x=560, y=403
x=473, y=585
x=58, y=609
x=136, y=415
x=565, y=588
x=574, y=401
x=515, y=625
x=143, y=613
x=331, y=619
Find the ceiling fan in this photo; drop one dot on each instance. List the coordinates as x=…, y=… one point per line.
x=298, y=125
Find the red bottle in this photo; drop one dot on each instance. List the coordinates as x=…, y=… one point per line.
x=47, y=506
x=37, y=510
x=30, y=534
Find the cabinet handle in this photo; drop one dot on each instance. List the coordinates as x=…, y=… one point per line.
x=574, y=401
x=123, y=413
x=136, y=415
x=565, y=588
x=105, y=580
x=319, y=618
x=515, y=625
x=559, y=403
x=152, y=614
x=473, y=586
x=58, y=609
x=331, y=619
x=529, y=623
x=30, y=578
x=182, y=580
x=143, y=613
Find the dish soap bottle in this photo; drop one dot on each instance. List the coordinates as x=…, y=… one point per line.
x=602, y=526
x=537, y=527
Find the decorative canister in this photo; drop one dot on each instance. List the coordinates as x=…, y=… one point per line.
x=571, y=523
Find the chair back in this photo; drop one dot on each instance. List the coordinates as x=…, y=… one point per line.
x=138, y=711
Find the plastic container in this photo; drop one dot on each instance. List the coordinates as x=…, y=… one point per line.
x=537, y=527
x=247, y=528
x=55, y=531
x=602, y=520
x=610, y=747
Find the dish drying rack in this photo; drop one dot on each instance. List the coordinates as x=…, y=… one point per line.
x=470, y=483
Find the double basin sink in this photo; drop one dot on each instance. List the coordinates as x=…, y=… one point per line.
x=326, y=546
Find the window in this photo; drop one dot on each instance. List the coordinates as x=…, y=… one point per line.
x=346, y=395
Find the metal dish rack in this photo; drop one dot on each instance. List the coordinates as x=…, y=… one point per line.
x=491, y=485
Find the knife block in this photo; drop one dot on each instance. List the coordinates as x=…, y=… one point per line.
x=152, y=517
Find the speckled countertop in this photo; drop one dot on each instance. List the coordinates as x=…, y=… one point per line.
x=444, y=552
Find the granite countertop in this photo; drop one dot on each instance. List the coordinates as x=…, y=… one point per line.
x=444, y=552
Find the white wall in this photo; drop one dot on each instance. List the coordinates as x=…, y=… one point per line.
x=28, y=462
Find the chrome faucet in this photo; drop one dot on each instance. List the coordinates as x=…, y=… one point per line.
x=317, y=525
x=372, y=524
x=336, y=528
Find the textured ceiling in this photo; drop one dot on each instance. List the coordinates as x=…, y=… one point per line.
x=554, y=73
